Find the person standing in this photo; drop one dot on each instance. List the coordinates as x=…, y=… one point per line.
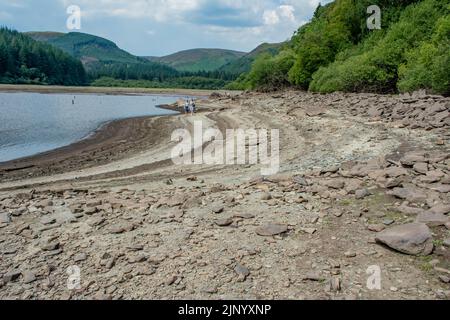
x=186, y=107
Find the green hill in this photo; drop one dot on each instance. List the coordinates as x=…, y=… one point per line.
x=103, y=58
x=88, y=48
x=336, y=51
x=199, y=59
x=244, y=63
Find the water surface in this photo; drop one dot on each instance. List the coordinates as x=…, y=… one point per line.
x=31, y=123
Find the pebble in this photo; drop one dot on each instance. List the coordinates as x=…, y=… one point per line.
x=223, y=222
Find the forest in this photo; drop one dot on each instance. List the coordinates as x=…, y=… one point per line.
x=336, y=51
x=25, y=61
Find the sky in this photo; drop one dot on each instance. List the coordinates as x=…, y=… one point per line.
x=161, y=27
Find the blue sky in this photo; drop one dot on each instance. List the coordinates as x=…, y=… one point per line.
x=160, y=27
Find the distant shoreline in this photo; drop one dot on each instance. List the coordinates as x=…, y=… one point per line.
x=105, y=90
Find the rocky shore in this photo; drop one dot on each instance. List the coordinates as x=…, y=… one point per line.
x=364, y=185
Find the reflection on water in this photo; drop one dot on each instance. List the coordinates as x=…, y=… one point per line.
x=32, y=123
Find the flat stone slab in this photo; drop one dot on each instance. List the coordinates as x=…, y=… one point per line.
x=413, y=239
x=272, y=229
x=432, y=219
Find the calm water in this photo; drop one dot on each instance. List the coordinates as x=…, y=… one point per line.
x=32, y=123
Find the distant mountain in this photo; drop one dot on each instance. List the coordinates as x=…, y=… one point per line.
x=88, y=48
x=244, y=63
x=103, y=58
x=199, y=59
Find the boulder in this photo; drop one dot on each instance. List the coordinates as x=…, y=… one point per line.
x=413, y=239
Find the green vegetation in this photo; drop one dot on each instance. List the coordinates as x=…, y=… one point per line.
x=244, y=64
x=108, y=65
x=88, y=48
x=26, y=61
x=197, y=60
x=191, y=82
x=337, y=52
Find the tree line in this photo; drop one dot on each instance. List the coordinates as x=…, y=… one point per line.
x=24, y=60
x=336, y=51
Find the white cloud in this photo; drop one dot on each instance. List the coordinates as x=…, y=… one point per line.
x=271, y=17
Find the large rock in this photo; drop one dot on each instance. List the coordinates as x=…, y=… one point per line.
x=410, y=193
x=413, y=238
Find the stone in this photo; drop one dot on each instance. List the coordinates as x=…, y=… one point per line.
x=411, y=159
x=93, y=203
x=376, y=227
x=362, y=193
x=409, y=210
x=395, y=172
x=413, y=239
x=421, y=167
x=90, y=211
x=46, y=220
x=121, y=227
x=5, y=217
x=335, y=184
x=245, y=216
x=446, y=243
x=50, y=246
x=441, y=188
x=44, y=204
x=223, y=222
x=266, y=196
x=388, y=222
x=440, y=209
x=80, y=257
x=217, y=208
x=336, y=284
x=444, y=279
x=410, y=194
x=242, y=271
x=432, y=219
x=28, y=277
x=350, y=254
x=176, y=200
x=271, y=229
x=309, y=230
x=11, y=276
x=313, y=276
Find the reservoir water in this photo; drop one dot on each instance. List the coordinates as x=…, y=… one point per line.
x=31, y=123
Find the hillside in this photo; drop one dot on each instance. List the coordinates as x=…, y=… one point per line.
x=337, y=52
x=244, y=63
x=103, y=58
x=199, y=59
x=88, y=48
x=24, y=60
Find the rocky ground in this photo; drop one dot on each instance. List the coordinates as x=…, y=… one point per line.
x=364, y=185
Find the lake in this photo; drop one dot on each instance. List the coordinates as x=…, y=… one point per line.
x=32, y=123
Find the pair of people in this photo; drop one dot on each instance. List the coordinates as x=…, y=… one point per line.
x=189, y=106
